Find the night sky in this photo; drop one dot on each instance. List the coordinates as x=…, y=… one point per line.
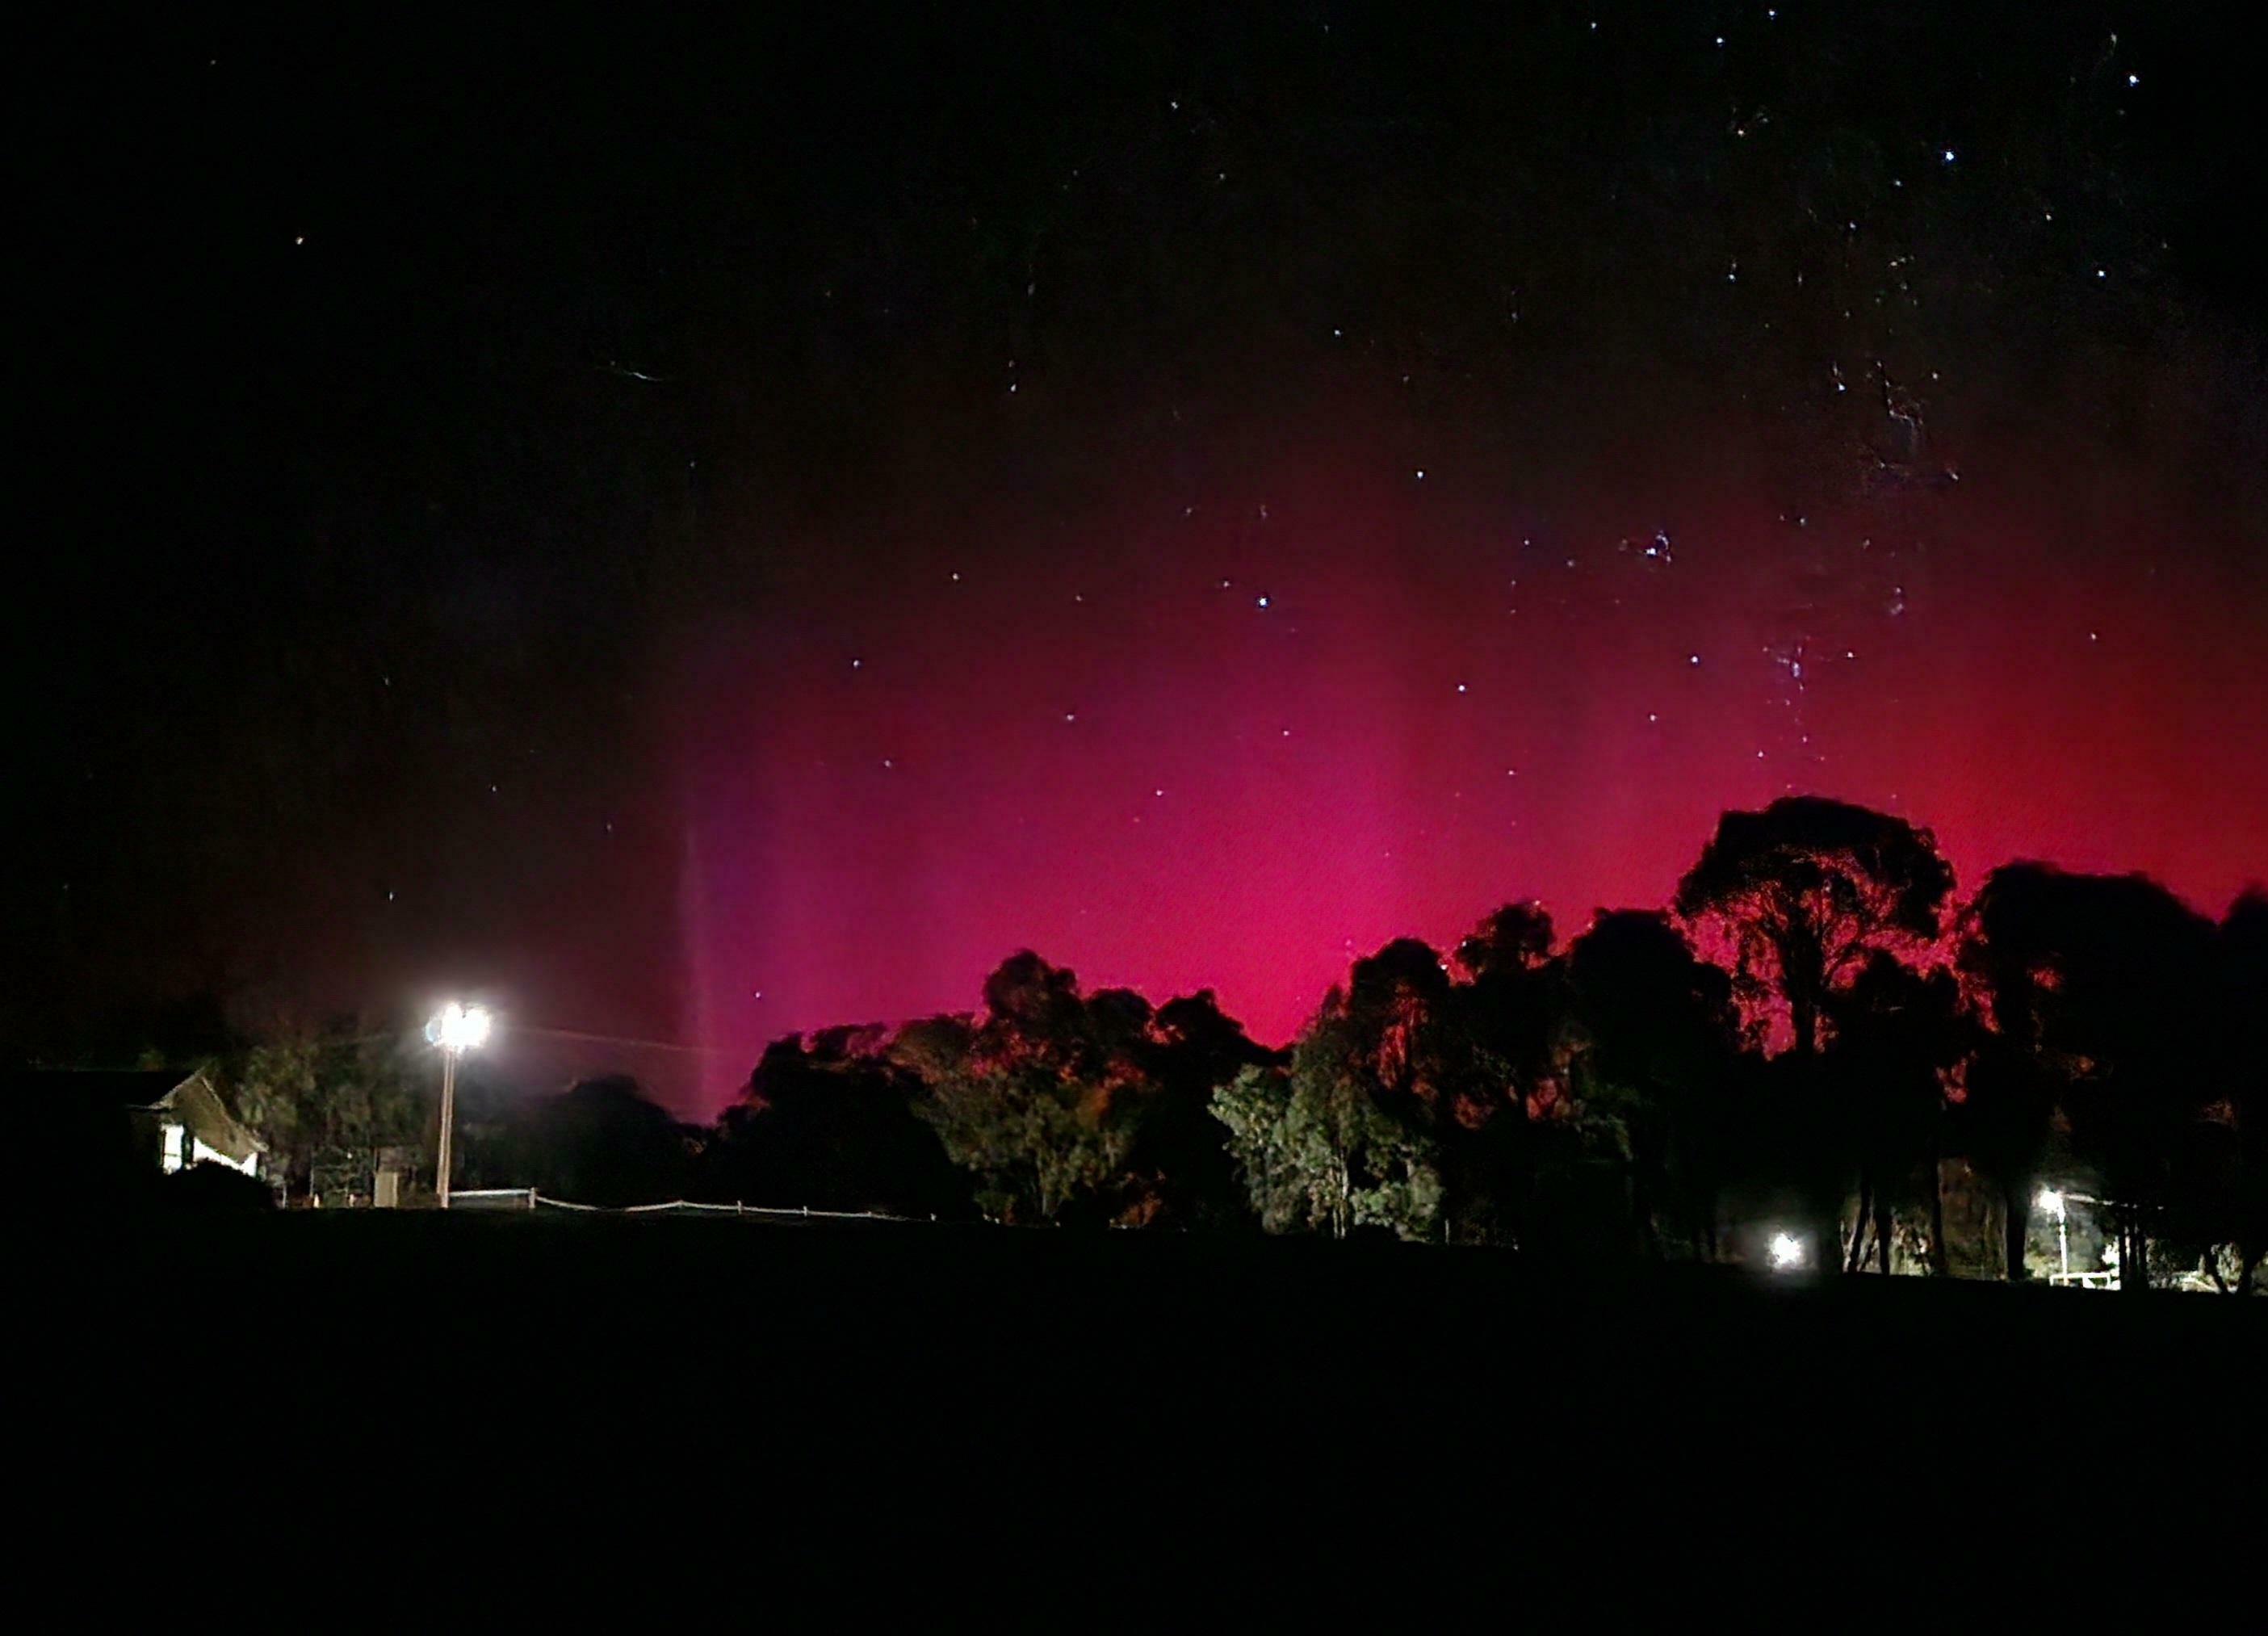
x=697, y=535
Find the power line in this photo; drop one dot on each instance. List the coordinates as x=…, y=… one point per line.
x=618, y=1039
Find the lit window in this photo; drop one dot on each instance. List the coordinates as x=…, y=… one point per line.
x=170, y=1156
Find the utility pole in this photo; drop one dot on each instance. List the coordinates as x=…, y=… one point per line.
x=456, y=1029
x=448, y=1122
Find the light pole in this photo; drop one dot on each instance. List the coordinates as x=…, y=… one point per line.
x=2050, y=1199
x=456, y=1029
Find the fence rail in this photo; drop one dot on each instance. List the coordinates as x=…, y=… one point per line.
x=531, y=1199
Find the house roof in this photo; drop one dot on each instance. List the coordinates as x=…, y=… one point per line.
x=200, y=1108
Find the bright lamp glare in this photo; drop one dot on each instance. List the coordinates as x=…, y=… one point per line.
x=459, y=1028
x=1787, y=1250
x=2051, y=1201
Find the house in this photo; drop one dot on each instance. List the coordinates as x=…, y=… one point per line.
x=107, y=1131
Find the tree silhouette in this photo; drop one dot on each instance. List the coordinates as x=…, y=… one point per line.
x=2012, y=1087
x=2108, y=984
x=1403, y=1035
x=1180, y=1172
x=1658, y=1036
x=1897, y=1032
x=1808, y=890
x=1037, y=1095
x=1353, y=1132
x=1804, y=892
x=2002, y=1125
x=1318, y=1149
x=1506, y=1017
x=830, y=1122
x=602, y=1142
x=2242, y=1208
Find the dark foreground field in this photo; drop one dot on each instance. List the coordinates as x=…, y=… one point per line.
x=721, y=1380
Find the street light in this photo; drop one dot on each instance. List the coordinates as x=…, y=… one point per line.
x=2052, y=1201
x=456, y=1029
x=1786, y=1251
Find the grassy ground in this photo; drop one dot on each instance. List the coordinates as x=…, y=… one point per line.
x=898, y=1376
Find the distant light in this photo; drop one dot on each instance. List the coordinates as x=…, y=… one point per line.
x=1261, y=602
x=1948, y=156
x=2051, y=1201
x=1786, y=1251
x=2133, y=79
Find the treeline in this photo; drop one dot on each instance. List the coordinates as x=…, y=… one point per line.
x=1817, y=1039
